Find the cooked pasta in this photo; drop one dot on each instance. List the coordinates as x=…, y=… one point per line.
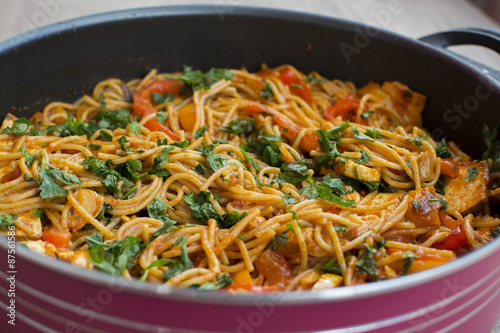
x=266, y=181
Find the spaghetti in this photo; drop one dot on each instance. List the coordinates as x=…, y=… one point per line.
x=267, y=181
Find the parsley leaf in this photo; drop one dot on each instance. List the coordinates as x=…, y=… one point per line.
x=240, y=126
x=200, y=132
x=471, y=173
x=116, y=258
x=215, y=162
x=29, y=158
x=332, y=267
x=49, y=187
x=362, y=136
x=198, y=80
x=311, y=78
x=162, y=98
x=277, y=241
x=158, y=210
x=442, y=149
x=417, y=141
x=292, y=173
x=93, y=146
x=181, y=265
x=222, y=281
x=267, y=92
x=408, y=257
x=135, y=128
x=322, y=191
x=21, y=126
x=366, y=264
x=288, y=199
x=7, y=221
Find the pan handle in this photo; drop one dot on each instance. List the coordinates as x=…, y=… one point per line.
x=489, y=38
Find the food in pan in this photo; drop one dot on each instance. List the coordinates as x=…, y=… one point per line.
x=226, y=179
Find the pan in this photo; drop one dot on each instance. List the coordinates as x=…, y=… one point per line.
x=64, y=60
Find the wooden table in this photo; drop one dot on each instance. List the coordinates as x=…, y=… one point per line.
x=414, y=18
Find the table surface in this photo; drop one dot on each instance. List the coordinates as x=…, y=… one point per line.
x=414, y=18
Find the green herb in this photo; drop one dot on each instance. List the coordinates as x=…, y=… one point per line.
x=200, y=169
x=200, y=132
x=288, y=199
x=259, y=182
x=295, y=85
x=197, y=80
x=416, y=204
x=161, y=117
x=7, y=221
x=366, y=264
x=442, y=149
x=101, y=216
x=222, y=281
x=439, y=186
x=294, y=214
x=162, y=98
x=366, y=114
x=49, y=187
x=322, y=191
x=277, y=241
x=332, y=267
x=373, y=133
x=156, y=263
x=417, y=141
x=105, y=135
x=39, y=213
x=408, y=257
x=442, y=202
x=122, y=141
x=292, y=173
x=267, y=92
x=158, y=210
x=495, y=232
x=313, y=79
x=135, y=128
x=341, y=228
x=361, y=136
x=21, y=126
x=215, y=162
x=203, y=210
x=29, y=158
x=250, y=159
x=93, y=146
x=471, y=173
x=181, y=265
x=239, y=126
x=364, y=159
x=116, y=258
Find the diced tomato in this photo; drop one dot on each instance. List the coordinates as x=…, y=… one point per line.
x=449, y=168
x=448, y=221
x=297, y=85
x=11, y=175
x=60, y=239
x=239, y=204
x=233, y=180
x=346, y=108
x=422, y=211
x=143, y=105
x=455, y=240
x=275, y=268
